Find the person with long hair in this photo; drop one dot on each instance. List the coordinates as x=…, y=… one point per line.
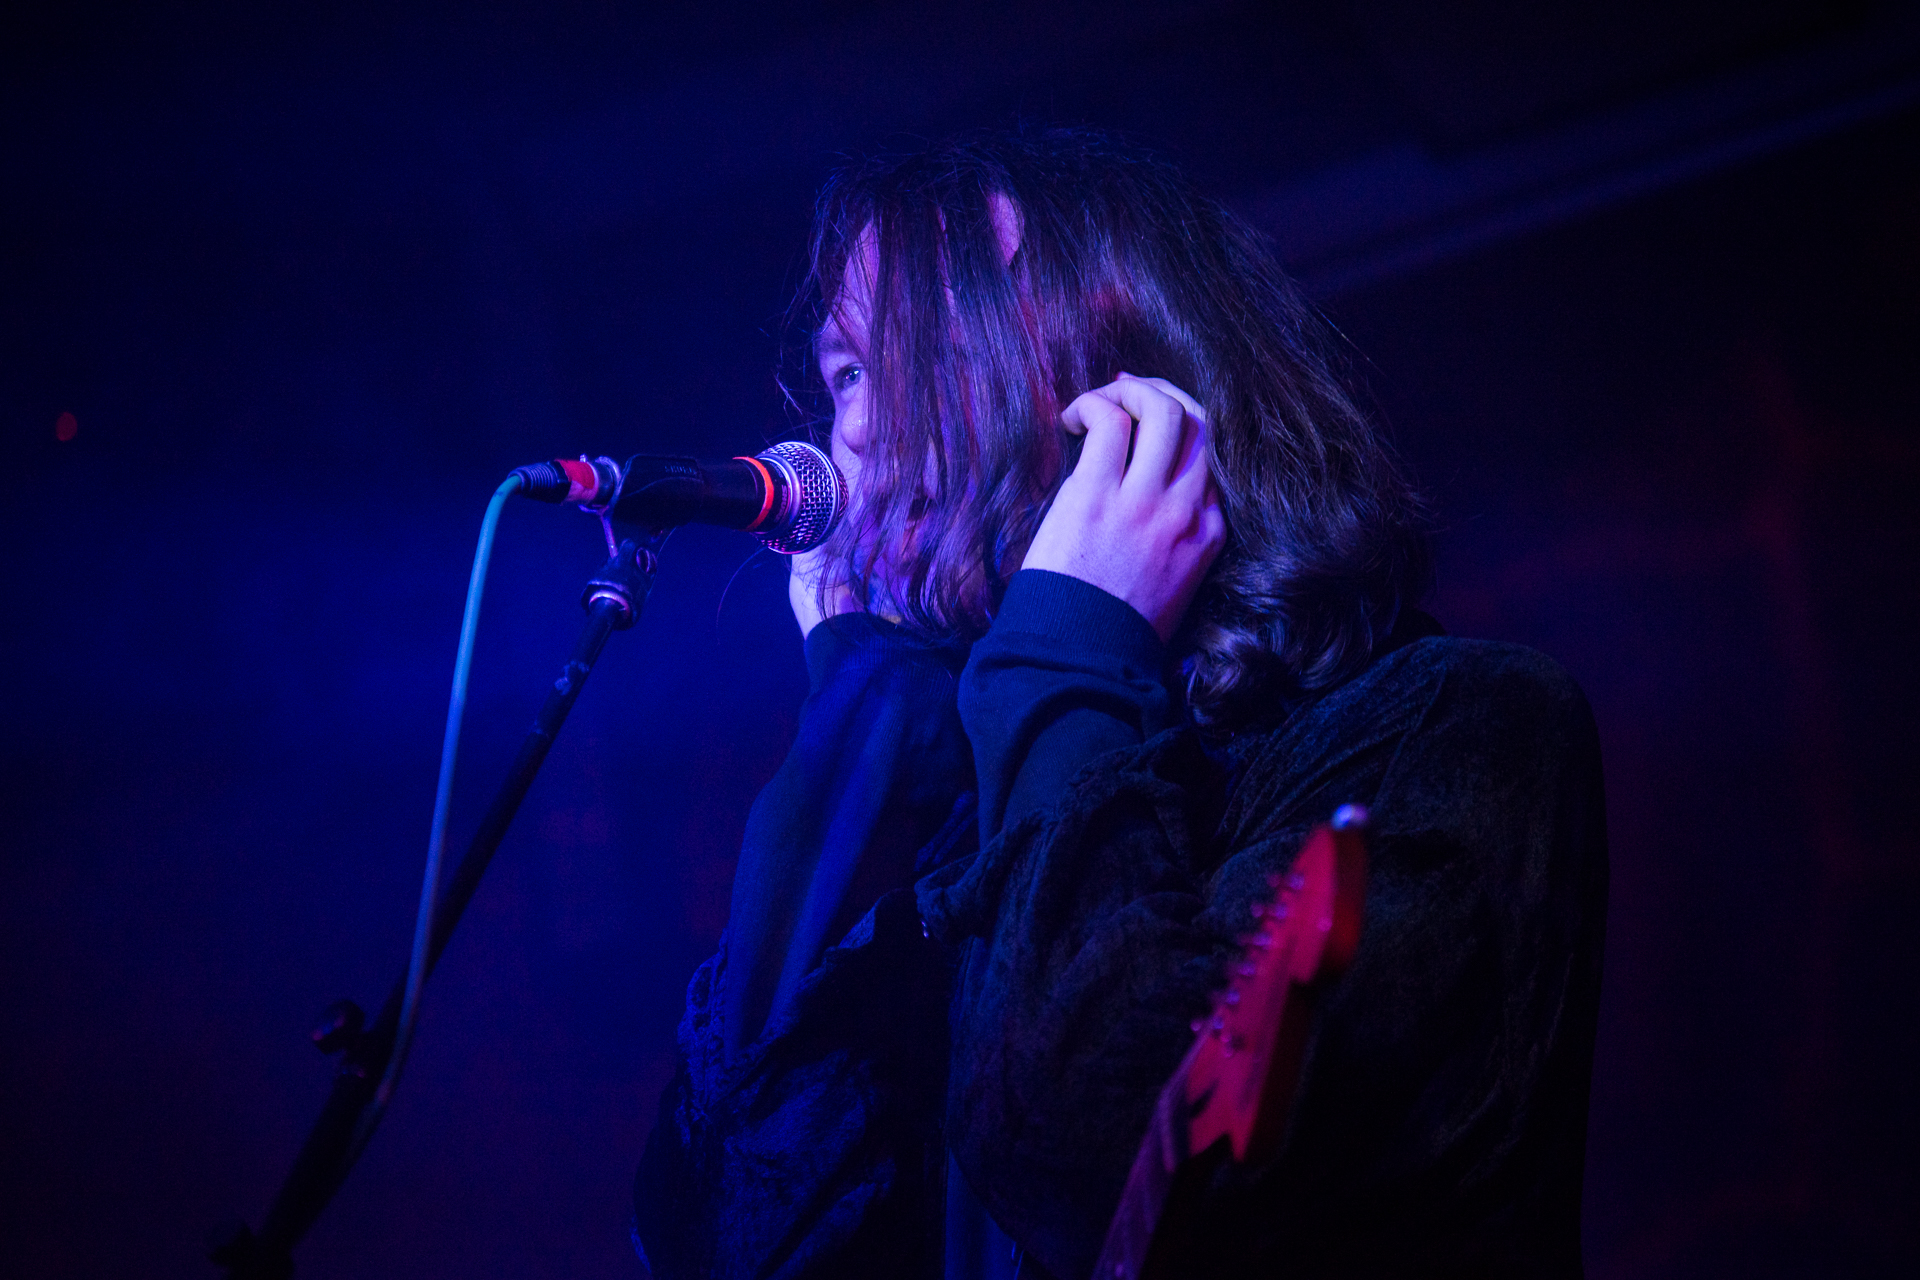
x=1125, y=604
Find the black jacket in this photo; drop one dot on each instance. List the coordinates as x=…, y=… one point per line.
x=1440, y=1125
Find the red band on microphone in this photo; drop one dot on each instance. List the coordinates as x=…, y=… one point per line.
x=583, y=481
x=766, y=487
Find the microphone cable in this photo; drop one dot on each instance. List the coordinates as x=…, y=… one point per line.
x=792, y=496
x=816, y=498
x=437, y=832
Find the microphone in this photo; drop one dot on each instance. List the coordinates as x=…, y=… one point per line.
x=792, y=495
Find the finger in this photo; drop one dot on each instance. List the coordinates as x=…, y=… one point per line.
x=1158, y=457
x=1203, y=531
x=1192, y=405
x=1109, y=435
x=1193, y=473
x=1156, y=440
x=1213, y=526
x=1156, y=444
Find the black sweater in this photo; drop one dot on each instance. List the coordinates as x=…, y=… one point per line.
x=1024, y=1006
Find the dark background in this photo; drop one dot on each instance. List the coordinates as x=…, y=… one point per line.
x=1634, y=286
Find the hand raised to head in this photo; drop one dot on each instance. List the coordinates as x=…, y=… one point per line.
x=1139, y=516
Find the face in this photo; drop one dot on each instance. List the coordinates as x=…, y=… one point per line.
x=842, y=356
x=842, y=352
x=842, y=344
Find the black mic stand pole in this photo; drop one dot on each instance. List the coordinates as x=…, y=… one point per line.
x=613, y=601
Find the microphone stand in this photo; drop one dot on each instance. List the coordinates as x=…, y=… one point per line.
x=613, y=600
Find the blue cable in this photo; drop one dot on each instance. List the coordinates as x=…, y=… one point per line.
x=437, y=834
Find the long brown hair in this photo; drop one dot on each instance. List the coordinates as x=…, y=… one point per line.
x=1120, y=264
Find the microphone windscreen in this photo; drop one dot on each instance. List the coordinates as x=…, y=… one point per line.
x=814, y=497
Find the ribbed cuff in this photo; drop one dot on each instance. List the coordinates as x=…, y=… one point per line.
x=1063, y=608
x=833, y=639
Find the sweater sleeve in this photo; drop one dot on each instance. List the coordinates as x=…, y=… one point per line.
x=799, y=1137
x=1067, y=673
x=873, y=774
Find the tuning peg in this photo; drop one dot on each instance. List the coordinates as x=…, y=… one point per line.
x=1351, y=815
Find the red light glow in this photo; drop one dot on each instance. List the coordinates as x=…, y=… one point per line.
x=66, y=427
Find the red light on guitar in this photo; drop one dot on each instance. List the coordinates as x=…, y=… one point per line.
x=1306, y=935
x=1235, y=1087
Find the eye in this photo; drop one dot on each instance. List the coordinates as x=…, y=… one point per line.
x=845, y=377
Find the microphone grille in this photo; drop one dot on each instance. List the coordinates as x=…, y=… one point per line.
x=814, y=497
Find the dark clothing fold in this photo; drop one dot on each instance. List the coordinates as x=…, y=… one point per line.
x=877, y=766
x=816, y=1152
x=1441, y=1119
x=799, y=1136
x=1440, y=1124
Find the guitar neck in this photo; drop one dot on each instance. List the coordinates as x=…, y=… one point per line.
x=1161, y=1162
x=1231, y=1094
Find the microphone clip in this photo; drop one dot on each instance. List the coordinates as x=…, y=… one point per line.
x=612, y=477
x=626, y=578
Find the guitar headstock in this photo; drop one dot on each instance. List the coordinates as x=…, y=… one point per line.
x=1241, y=1073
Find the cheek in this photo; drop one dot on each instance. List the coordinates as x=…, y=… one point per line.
x=850, y=421
x=849, y=435
x=846, y=459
